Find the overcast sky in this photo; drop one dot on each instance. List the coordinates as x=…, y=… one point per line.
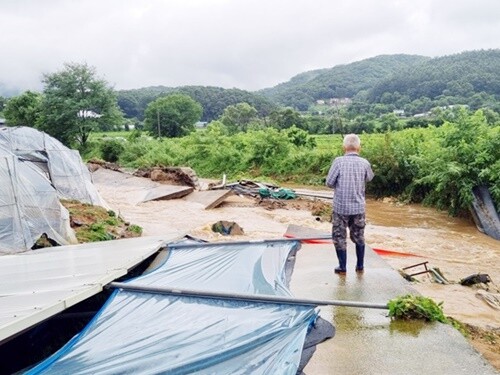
x=248, y=44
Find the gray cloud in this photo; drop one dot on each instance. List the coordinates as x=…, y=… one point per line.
x=229, y=43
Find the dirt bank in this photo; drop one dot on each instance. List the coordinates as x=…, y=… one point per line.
x=452, y=245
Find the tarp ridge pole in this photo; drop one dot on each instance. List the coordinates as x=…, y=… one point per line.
x=243, y=297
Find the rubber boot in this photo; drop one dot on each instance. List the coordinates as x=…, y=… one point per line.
x=360, y=255
x=342, y=257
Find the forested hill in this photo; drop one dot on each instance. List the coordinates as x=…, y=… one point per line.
x=380, y=84
x=340, y=81
x=461, y=76
x=213, y=99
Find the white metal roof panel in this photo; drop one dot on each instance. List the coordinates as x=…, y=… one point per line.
x=38, y=284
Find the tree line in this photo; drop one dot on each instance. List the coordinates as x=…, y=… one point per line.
x=390, y=92
x=213, y=100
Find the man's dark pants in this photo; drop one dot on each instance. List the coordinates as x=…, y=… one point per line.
x=356, y=224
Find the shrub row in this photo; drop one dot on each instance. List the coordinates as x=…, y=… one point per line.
x=437, y=166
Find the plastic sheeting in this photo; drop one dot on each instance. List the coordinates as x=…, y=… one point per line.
x=36, y=171
x=484, y=213
x=64, y=167
x=144, y=333
x=29, y=207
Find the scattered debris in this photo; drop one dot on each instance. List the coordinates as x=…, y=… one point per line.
x=492, y=299
x=277, y=193
x=435, y=273
x=247, y=187
x=478, y=278
x=220, y=185
x=227, y=228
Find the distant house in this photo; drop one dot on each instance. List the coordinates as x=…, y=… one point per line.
x=84, y=113
x=334, y=101
x=424, y=114
x=201, y=124
x=399, y=112
x=339, y=101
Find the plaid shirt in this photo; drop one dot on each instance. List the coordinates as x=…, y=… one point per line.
x=348, y=175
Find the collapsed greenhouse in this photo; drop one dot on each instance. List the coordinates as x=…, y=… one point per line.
x=36, y=172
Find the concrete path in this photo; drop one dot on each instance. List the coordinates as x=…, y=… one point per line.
x=366, y=340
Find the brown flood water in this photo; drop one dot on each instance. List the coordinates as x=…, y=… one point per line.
x=454, y=245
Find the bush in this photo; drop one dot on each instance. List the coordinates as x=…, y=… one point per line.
x=111, y=150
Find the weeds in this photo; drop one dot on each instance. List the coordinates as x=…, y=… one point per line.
x=410, y=307
x=94, y=223
x=135, y=229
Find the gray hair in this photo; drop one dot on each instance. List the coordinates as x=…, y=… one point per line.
x=352, y=142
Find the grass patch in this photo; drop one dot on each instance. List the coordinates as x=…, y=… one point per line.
x=410, y=307
x=94, y=223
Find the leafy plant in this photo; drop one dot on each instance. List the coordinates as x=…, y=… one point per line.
x=410, y=307
x=135, y=229
x=111, y=150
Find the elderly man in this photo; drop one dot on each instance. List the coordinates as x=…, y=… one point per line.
x=348, y=176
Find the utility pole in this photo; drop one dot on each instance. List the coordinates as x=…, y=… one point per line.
x=158, y=117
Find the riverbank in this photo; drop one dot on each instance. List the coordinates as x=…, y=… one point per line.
x=453, y=245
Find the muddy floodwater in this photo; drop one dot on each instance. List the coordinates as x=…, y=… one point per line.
x=453, y=245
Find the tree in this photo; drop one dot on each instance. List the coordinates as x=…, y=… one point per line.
x=299, y=137
x=389, y=122
x=237, y=117
x=172, y=116
x=286, y=118
x=23, y=109
x=3, y=100
x=76, y=103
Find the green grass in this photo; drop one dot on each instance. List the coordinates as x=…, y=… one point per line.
x=410, y=307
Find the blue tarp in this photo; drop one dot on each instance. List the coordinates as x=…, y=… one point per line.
x=144, y=333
